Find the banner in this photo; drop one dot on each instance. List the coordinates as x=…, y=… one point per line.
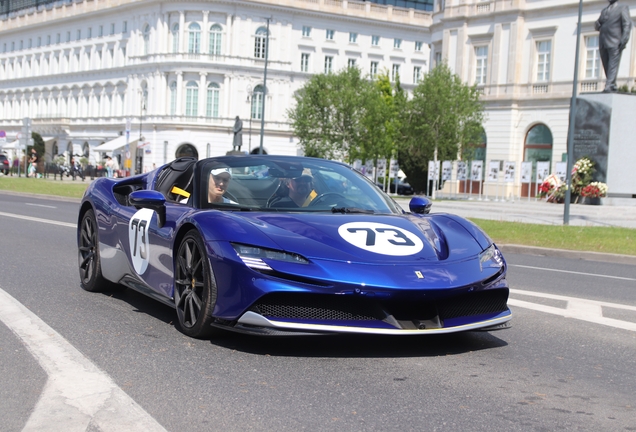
x=393, y=168
x=509, y=171
x=462, y=171
x=493, y=170
x=433, y=170
x=543, y=170
x=476, y=170
x=447, y=170
x=381, y=168
x=561, y=170
x=368, y=168
x=526, y=172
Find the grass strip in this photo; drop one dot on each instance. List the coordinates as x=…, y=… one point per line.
x=583, y=238
x=64, y=188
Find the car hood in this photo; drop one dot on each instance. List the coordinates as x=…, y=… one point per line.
x=370, y=239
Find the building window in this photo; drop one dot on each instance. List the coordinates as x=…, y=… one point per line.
x=124, y=28
x=304, y=62
x=328, y=64
x=100, y=32
x=395, y=72
x=175, y=38
x=306, y=31
x=538, y=148
x=216, y=32
x=592, y=59
x=373, y=69
x=90, y=32
x=417, y=74
x=40, y=41
x=79, y=35
x=438, y=58
x=351, y=63
x=212, y=106
x=544, y=49
x=375, y=40
x=353, y=37
x=329, y=34
x=173, y=98
x=397, y=43
x=418, y=45
x=260, y=42
x=146, y=39
x=194, y=38
x=481, y=65
x=192, y=99
x=68, y=36
x=112, y=29
x=257, y=103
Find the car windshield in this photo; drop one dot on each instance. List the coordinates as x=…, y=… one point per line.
x=277, y=183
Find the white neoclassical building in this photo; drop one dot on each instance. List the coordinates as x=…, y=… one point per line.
x=169, y=78
x=177, y=74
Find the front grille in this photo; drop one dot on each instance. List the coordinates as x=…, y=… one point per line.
x=317, y=307
x=326, y=307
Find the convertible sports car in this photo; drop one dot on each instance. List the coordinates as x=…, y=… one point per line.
x=278, y=245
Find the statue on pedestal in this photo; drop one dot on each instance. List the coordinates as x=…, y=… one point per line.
x=614, y=26
x=238, y=134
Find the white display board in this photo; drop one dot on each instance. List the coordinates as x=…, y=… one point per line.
x=462, y=171
x=493, y=170
x=543, y=170
x=509, y=171
x=561, y=170
x=476, y=170
x=433, y=170
x=447, y=170
x=526, y=172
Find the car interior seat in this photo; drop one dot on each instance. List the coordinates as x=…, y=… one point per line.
x=281, y=192
x=175, y=180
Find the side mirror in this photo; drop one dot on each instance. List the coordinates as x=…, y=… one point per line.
x=420, y=205
x=152, y=200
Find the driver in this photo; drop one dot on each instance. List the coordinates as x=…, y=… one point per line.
x=217, y=185
x=301, y=192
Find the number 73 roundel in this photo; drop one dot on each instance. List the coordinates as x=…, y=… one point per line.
x=381, y=238
x=138, y=239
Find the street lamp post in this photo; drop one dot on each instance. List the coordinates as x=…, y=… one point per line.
x=570, y=154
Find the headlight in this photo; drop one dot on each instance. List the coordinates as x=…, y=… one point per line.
x=490, y=258
x=253, y=256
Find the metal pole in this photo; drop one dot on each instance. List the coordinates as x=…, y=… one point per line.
x=260, y=150
x=570, y=153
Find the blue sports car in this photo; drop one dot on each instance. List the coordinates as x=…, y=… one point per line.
x=278, y=245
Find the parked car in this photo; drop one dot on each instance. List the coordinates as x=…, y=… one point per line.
x=403, y=187
x=4, y=164
x=223, y=241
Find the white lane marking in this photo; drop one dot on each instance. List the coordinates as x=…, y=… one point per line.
x=572, y=272
x=34, y=219
x=581, y=309
x=78, y=396
x=39, y=205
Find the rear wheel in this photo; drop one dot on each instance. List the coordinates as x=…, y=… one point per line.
x=194, y=287
x=90, y=268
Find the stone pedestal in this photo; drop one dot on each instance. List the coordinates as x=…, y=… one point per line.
x=605, y=131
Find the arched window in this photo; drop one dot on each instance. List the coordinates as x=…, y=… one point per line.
x=173, y=98
x=146, y=39
x=480, y=149
x=192, y=99
x=537, y=148
x=215, y=39
x=187, y=150
x=194, y=38
x=175, y=38
x=260, y=42
x=85, y=150
x=212, y=105
x=257, y=103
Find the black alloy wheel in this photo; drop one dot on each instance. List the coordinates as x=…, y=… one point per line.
x=194, y=287
x=90, y=268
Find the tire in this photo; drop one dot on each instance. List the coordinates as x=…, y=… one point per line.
x=194, y=287
x=90, y=268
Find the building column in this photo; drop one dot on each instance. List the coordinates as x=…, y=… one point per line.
x=179, y=110
x=203, y=92
x=205, y=36
x=181, y=32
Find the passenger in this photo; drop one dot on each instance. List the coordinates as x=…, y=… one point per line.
x=217, y=185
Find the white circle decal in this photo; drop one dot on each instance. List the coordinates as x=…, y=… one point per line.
x=381, y=238
x=138, y=239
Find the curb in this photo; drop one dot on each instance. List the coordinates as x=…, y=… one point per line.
x=563, y=253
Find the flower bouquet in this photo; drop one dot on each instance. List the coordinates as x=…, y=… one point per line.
x=594, y=190
x=581, y=174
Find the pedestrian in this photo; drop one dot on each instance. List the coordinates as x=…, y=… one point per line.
x=109, y=166
x=33, y=163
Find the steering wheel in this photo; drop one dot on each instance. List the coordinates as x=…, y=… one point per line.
x=230, y=196
x=324, y=197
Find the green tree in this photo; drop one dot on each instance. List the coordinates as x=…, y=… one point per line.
x=331, y=112
x=444, y=114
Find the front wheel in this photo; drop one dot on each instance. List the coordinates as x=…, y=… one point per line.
x=194, y=287
x=90, y=268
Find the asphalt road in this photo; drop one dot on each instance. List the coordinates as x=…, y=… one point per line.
x=567, y=362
